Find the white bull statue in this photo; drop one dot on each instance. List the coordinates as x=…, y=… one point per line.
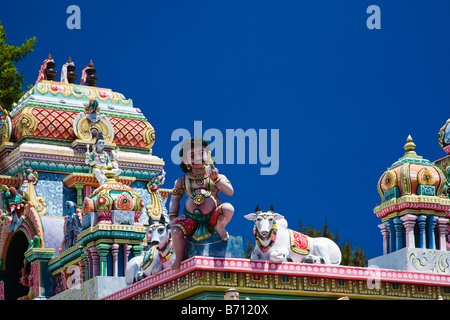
x=277, y=243
x=159, y=257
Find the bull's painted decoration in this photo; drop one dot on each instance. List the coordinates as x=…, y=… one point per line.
x=84, y=215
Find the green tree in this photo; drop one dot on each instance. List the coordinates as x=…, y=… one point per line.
x=249, y=250
x=350, y=256
x=11, y=81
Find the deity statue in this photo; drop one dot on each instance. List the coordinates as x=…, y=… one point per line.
x=100, y=160
x=14, y=202
x=92, y=111
x=203, y=210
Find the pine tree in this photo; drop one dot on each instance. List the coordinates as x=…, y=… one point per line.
x=350, y=256
x=11, y=80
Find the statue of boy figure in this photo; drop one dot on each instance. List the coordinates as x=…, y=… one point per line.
x=100, y=160
x=203, y=211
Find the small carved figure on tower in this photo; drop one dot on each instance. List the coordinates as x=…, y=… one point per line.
x=100, y=161
x=14, y=201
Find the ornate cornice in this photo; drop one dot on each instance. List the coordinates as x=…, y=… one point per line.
x=438, y=204
x=200, y=274
x=88, y=179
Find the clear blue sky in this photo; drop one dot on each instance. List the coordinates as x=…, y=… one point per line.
x=343, y=97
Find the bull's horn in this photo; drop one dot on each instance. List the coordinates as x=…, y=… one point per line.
x=257, y=208
x=271, y=208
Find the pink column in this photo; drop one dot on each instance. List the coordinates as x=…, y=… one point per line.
x=442, y=227
x=385, y=233
x=409, y=221
x=126, y=252
x=95, y=261
x=115, y=256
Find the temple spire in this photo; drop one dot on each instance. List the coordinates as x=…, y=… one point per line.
x=49, y=71
x=71, y=75
x=409, y=147
x=91, y=78
x=88, y=75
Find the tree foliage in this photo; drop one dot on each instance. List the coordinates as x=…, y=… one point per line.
x=350, y=256
x=11, y=80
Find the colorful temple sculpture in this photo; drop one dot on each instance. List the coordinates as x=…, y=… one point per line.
x=84, y=215
x=65, y=202
x=414, y=213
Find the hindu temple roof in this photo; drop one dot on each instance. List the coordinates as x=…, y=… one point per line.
x=72, y=95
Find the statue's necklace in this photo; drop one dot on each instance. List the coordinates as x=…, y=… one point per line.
x=199, y=198
x=199, y=178
x=101, y=157
x=272, y=238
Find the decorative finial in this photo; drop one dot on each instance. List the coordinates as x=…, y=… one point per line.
x=410, y=145
x=409, y=148
x=49, y=71
x=68, y=74
x=88, y=75
x=91, y=78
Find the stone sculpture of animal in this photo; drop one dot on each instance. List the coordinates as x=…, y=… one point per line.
x=160, y=256
x=277, y=243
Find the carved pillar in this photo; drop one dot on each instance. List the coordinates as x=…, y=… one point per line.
x=82, y=267
x=442, y=227
x=391, y=229
x=422, y=222
x=115, y=258
x=79, y=187
x=126, y=253
x=95, y=261
x=385, y=232
x=398, y=226
x=137, y=250
x=86, y=265
x=103, y=250
x=87, y=191
x=431, y=234
x=409, y=221
x=90, y=268
x=39, y=258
